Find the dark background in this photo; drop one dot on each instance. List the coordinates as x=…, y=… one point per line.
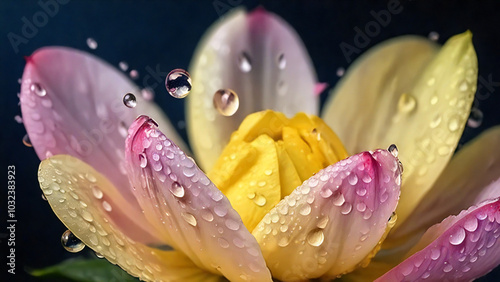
x=148, y=33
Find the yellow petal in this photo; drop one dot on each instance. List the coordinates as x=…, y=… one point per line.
x=405, y=93
x=70, y=187
x=268, y=157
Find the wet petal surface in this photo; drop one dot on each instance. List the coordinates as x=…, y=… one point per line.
x=261, y=58
x=334, y=221
x=88, y=204
x=186, y=208
x=461, y=248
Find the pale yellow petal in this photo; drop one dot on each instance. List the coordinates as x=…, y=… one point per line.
x=80, y=197
x=405, y=93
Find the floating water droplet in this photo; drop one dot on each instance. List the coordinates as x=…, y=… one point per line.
x=281, y=61
x=38, y=90
x=406, y=103
x=226, y=102
x=178, y=83
x=18, y=119
x=475, y=118
x=393, y=150
x=123, y=65
x=148, y=93
x=244, y=62
x=91, y=43
x=189, y=218
x=134, y=74
x=434, y=36
x=177, y=189
x=315, y=238
x=129, y=100
x=340, y=71
x=27, y=141
x=71, y=243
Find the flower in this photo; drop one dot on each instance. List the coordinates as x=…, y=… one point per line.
x=417, y=96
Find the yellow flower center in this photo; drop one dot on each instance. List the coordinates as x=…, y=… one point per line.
x=269, y=156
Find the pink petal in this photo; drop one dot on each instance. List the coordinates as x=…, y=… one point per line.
x=331, y=223
x=72, y=104
x=187, y=209
x=261, y=58
x=461, y=248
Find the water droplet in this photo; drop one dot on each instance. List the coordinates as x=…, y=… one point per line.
x=434, y=36
x=143, y=160
x=352, y=179
x=393, y=149
x=207, y=215
x=98, y=255
x=226, y=102
x=305, y=210
x=464, y=86
x=323, y=222
x=123, y=65
x=434, y=100
x=315, y=238
x=244, y=62
x=338, y=199
x=27, y=141
x=38, y=90
x=71, y=243
x=43, y=197
x=431, y=81
x=178, y=83
x=406, y=103
x=453, y=124
x=18, y=119
x=148, y=93
x=346, y=208
x=340, y=71
x=177, y=189
x=458, y=237
x=134, y=74
x=281, y=61
x=189, y=218
x=475, y=118
x=91, y=43
x=259, y=200
x=223, y=243
x=129, y=100
x=284, y=241
x=392, y=219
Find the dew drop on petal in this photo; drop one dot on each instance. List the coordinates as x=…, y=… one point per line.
x=143, y=161
x=406, y=103
x=129, y=100
x=71, y=243
x=27, y=141
x=98, y=255
x=259, y=200
x=315, y=238
x=38, y=90
x=177, y=189
x=178, y=83
x=244, y=62
x=475, y=118
x=393, y=150
x=189, y=218
x=458, y=237
x=91, y=43
x=226, y=102
x=281, y=61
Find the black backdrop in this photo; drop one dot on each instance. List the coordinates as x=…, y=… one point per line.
x=148, y=33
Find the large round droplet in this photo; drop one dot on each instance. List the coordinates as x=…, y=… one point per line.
x=71, y=243
x=434, y=36
x=315, y=238
x=26, y=141
x=38, y=90
x=178, y=83
x=458, y=237
x=226, y=102
x=475, y=118
x=244, y=62
x=129, y=100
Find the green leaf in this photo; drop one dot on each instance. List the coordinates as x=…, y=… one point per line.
x=80, y=269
